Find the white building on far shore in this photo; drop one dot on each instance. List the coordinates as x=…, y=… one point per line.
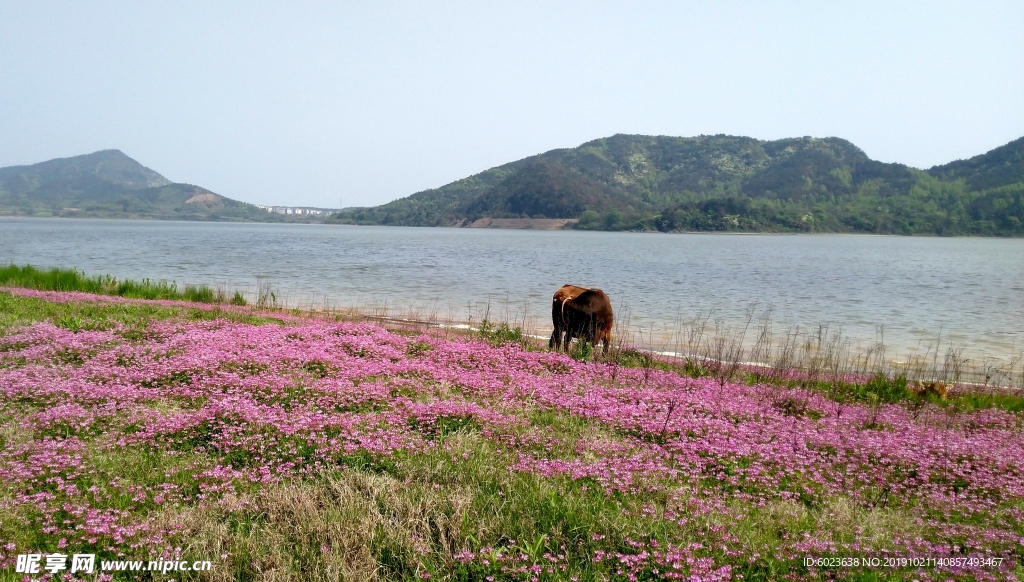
x=303, y=210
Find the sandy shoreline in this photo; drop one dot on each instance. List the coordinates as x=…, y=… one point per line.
x=521, y=223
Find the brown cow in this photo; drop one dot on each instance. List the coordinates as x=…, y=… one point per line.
x=586, y=314
x=565, y=293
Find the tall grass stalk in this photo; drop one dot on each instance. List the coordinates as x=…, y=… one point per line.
x=819, y=357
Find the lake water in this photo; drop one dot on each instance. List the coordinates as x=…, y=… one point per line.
x=969, y=290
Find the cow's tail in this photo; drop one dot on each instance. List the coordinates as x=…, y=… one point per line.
x=564, y=301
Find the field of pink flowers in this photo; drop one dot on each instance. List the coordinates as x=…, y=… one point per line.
x=117, y=431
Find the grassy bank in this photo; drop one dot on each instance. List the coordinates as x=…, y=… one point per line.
x=297, y=448
x=58, y=279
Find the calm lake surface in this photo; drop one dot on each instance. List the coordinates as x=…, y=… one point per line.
x=969, y=290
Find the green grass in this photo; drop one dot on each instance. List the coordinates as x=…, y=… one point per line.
x=501, y=334
x=57, y=279
x=974, y=401
x=878, y=389
x=19, y=311
x=886, y=390
x=582, y=351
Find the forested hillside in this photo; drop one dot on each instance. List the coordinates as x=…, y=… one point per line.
x=109, y=184
x=728, y=183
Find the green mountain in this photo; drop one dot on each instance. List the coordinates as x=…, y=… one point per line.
x=109, y=184
x=999, y=167
x=729, y=183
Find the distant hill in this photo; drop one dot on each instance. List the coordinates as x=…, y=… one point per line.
x=109, y=184
x=999, y=167
x=729, y=183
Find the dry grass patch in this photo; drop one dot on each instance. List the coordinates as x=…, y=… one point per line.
x=839, y=519
x=347, y=525
x=15, y=431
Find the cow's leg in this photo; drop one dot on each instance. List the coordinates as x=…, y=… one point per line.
x=556, y=322
x=592, y=333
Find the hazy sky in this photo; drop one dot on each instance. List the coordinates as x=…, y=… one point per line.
x=305, y=104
